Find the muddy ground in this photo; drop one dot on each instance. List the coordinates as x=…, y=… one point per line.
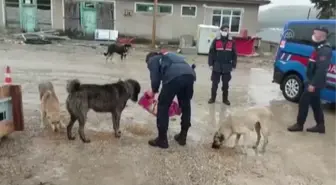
x=38, y=156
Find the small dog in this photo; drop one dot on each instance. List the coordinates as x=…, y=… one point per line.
x=50, y=106
x=241, y=122
x=122, y=50
x=100, y=98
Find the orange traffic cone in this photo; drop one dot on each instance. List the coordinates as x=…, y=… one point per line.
x=8, y=78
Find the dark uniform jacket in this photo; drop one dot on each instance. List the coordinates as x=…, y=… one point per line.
x=166, y=67
x=318, y=65
x=222, y=55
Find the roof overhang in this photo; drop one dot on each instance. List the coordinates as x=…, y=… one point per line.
x=255, y=2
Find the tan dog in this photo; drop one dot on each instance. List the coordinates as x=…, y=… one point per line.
x=50, y=107
x=241, y=122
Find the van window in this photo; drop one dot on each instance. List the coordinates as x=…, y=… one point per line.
x=303, y=33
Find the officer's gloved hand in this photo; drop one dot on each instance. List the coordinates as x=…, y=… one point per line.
x=210, y=67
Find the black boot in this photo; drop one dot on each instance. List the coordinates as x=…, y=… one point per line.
x=225, y=99
x=227, y=102
x=213, y=94
x=181, y=138
x=161, y=141
x=317, y=129
x=212, y=100
x=295, y=128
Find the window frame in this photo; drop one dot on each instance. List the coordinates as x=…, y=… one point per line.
x=3, y=115
x=307, y=41
x=230, y=16
x=188, y=6
x=148, y=4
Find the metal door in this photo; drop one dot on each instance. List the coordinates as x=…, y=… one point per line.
x=89, y=17
x=28, y=9
x=105, y=15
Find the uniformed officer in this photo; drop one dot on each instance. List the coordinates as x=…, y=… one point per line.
x=177, y=78
x=316, y=74
x=222, y=59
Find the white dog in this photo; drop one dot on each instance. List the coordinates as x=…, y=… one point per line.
x=241, y=122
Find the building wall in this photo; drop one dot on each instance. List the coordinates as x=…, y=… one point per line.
x=173, y=26
x=2, y=12
x=249, y=19
x=45, y=16
x=57, y=19
x=268, y=47
x=168, y=26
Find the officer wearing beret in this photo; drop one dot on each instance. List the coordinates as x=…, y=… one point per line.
x=222, y=59
x=316, y=80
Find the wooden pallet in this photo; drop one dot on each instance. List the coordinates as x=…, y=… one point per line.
x=11, y=110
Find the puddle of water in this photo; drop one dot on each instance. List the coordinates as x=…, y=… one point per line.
x=260, y=89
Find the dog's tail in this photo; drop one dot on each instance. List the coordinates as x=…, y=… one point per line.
x=73, y=86
x=105, y=53
x=45, y=96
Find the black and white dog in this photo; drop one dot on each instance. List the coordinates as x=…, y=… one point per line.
x=122, y=50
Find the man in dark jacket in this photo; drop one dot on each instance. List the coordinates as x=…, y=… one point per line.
x=316, y=74
x=177, y=78
x=222, y=59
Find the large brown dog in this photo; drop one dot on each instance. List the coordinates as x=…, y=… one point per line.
x=110, y=98
x=50, y=106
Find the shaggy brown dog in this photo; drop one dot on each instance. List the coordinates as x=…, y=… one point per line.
x=100, y=98
x=50, y=106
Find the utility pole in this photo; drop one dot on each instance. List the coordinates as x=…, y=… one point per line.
x=154, y=24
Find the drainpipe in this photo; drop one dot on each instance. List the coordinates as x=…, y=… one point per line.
x=154, y=24
x=204, y=6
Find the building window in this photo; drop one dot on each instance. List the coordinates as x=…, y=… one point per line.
x=188, y=10
x=149, y=7
x=230, y=17
x=43, y=4
x=89, y=5
x=28, y=1
x=3, y=115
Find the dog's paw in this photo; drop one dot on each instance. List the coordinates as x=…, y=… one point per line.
x=241, y=149
x=86, y=141
x=62, y=126
x=41, y=126
x=71, y=138
x=117, y=134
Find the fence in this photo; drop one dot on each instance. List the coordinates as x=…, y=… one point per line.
x=268, y=46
